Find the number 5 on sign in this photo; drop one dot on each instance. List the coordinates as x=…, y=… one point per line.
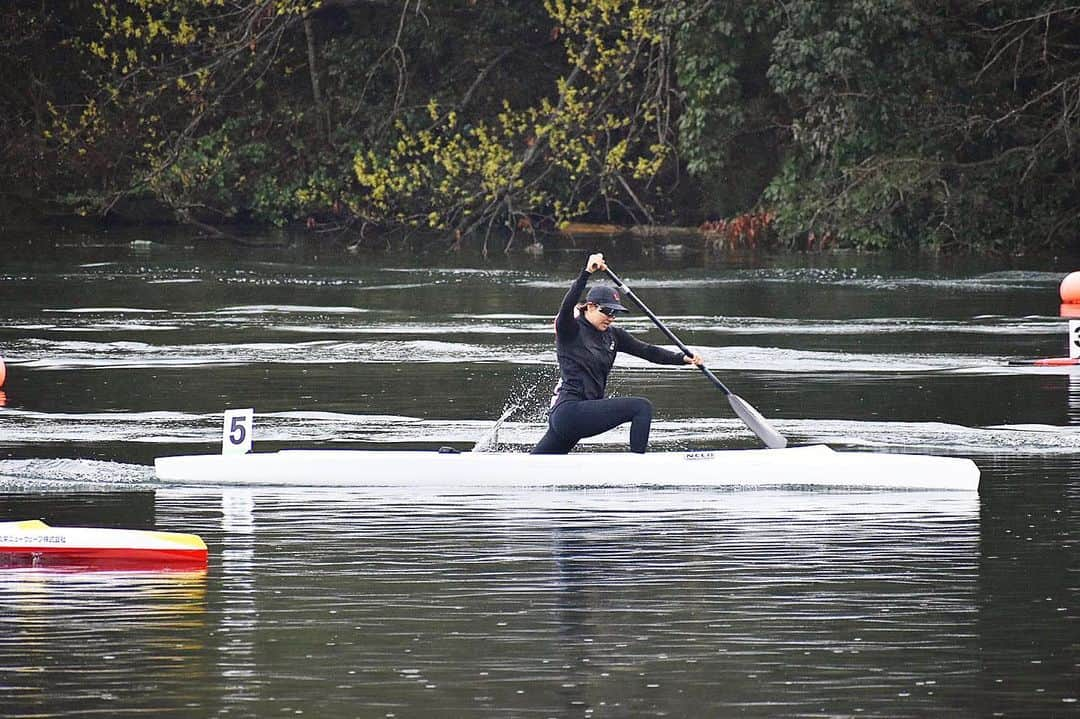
x=236, y=432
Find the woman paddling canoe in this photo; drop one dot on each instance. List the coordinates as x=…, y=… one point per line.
x=586, y=342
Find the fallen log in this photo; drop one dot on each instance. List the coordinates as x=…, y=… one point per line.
x=648, y=232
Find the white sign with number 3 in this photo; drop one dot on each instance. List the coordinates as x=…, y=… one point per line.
x=236, y=431
x=1074, y=338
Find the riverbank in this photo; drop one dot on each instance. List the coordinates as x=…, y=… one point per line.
x=91, y=241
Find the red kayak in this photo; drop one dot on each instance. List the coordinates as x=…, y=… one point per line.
x=33, y=544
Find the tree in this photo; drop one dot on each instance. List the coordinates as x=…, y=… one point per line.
x=877, y=123
x=592, y=138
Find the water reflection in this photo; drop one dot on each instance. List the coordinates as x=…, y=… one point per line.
x=557, y=602
x=100, y=642
x=816, y=594
x=238, y=622
x=1074, y=398
x=1027, y=587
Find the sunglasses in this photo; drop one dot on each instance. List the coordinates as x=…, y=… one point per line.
x=607, y=311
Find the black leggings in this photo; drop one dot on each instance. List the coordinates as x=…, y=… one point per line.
x=574, y=420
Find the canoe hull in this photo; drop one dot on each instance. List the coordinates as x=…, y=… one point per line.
x=34, y=544
x=810, y=467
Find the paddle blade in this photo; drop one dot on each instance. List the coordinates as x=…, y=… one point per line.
x=757, y=424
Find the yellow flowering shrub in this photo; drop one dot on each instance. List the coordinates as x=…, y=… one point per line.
x=569, y=152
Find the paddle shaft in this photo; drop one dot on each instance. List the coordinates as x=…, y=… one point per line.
x=753, y=419
x=663, y=328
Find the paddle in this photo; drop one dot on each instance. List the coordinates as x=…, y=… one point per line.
x=753, y=419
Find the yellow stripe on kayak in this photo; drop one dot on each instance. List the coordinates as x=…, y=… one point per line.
x=190, y=540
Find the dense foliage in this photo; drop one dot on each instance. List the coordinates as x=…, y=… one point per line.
x=923, y=124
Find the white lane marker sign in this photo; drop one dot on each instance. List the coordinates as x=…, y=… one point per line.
x=236, y=431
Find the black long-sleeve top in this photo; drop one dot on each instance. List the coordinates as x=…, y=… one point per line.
x=586, y=354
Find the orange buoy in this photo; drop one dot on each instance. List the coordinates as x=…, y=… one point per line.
x=1070, y=310
x=1070, y=289
x=3, y=372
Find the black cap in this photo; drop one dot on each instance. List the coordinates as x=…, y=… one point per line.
x=605, y=296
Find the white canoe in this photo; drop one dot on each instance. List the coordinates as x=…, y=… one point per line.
x=34, y=544
x=814, y=466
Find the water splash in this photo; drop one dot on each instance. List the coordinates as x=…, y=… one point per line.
x=64, y=474
x=490, y=441
x=529, y=399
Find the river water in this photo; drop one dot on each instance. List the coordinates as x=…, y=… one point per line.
x=613, y=603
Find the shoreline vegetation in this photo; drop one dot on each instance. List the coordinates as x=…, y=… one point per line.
x=716, y=240
x=871, y=125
